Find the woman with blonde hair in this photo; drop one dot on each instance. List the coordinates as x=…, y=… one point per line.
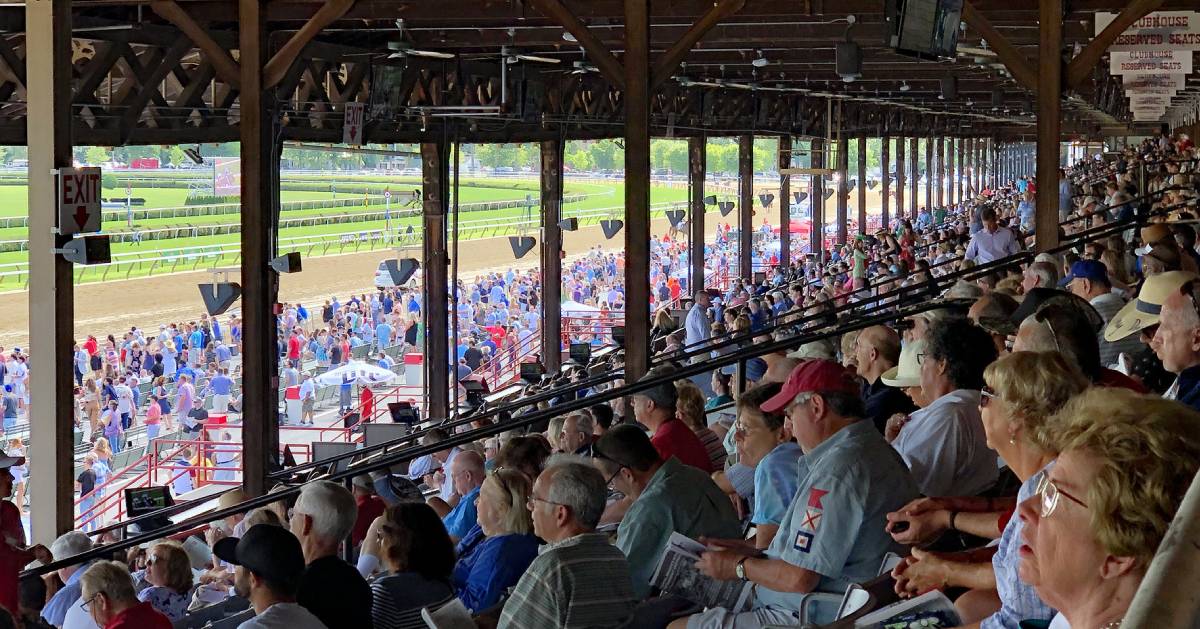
x=689, y=408
x=1096, y=520
x=169, y=573
x=495, y=553
x=1022, y=393
x=91, y=405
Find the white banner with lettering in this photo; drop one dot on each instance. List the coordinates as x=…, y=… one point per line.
x=1149, y=62
x=1160, y=30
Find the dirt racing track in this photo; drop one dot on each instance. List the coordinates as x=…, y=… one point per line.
x=113, y=307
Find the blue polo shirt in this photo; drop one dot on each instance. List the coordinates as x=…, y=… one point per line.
x=462, y=518
x=55, y=611
x=775, y=483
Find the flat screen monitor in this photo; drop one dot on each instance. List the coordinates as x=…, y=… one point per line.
x=323, y=450
x=924, y=28
x=143, y=500
x=375, y=434
x=581, y=353
x=532, y=371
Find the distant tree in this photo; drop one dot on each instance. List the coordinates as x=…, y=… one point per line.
x=96, y=155
x=176, y=156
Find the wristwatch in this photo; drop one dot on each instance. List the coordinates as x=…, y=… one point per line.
x=740, y=569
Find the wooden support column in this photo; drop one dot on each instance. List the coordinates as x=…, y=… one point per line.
x=843, y=193
x=914, y=168
x=637, y=188
x=51, y=284
x=962, y=170
x=1049, y=121
x=435, y=189
x=260, y=285
x=941, y=171
x=862, y=184
x=552, y=246
x=785, y=202
x=901, y=178
x=697, y=171
x=972, y=166
x=885, y=180
x=816, y=236
x=745, y=206
x=930, y=180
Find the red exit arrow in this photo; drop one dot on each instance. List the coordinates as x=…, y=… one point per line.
x=81, y=216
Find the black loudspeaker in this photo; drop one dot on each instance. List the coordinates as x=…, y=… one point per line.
x=828, y=192
x=219, y=296
x=676, y=217
x=997, y=98
x=475, y=392
x=401, y=270
x=949, y=88
x=569, y=224
x=710, y=199
x=287, y=263
x=799, y=196
x=766, y=199
x=521, y=245
x=871, y=184
x=618, y=334
x=726, y=207
x=848, y=59
x=611, y=227
x=851, y=184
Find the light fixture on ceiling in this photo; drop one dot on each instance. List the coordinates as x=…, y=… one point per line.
x=904, y=86
x=848, y=56
x=760, y=61
x=567, y=36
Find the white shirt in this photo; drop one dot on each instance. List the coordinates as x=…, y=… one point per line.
x=946, y=449
x=284, y=616
x=698, y=326
x=987, y=246
x=124, y=398
x=76, y=618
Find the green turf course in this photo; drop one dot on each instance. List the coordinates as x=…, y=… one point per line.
x=606, y=195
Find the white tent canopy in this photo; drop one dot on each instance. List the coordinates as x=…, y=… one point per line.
x=356, y=371
x=571, y=307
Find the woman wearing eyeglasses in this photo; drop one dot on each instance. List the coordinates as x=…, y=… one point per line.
x=1022, y=392
x=495, y=553
x=169, y=573
x=1125, y=462
x=764, y=444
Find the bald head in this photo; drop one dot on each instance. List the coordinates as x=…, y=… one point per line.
x=876, y=350
x=467, y=472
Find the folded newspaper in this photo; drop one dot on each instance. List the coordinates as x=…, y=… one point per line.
x=677, y=574
x=927, y=611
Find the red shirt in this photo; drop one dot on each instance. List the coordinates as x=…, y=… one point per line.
x=294, y=347
x=674, y=439
x=12, y=557
x=140, y=616
x=1111, y=378
x=369, y=508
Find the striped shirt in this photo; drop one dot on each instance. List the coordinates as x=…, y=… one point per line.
x=579, y=582
x=397, y=599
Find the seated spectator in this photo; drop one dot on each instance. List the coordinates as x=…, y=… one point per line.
x=1177, y=343
x=330, y=588
x=1066, y=326
x=467, y=474
x=765, y=445
x=690, y=410
x=655, y=409
x=418, y=556
x=667, y=497
x=833, y=533
x=270, y=565
x=944, y=444
x=1089, y=280
x=1040, y=274
x=906, y=376
x=526, y=454
x=108, y=596
x=580, y=580
x=1023, y=391
x=876, y=350
x=1125, y=462
x=66, y=545
x=576, y=434
x=993, y=312
x=494, y=554
x=169, y=574
x=368, y=507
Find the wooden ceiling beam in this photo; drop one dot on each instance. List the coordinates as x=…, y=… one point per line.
x=1083, y=63
x=666, y=65
x=599, y=54
x=226, y=67
x=1016, y=62
x=283, y=59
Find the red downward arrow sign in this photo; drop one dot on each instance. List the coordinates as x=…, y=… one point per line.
x=81, y=216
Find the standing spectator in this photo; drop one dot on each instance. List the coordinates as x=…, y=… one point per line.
x=185, y=392
x=109, y=597
x=697, y=324
x=1064, y=195
x=308, y=400
x=269, y=567
x=580, y=580
x=153, y=418
x=10, y=409
x=220, y=387
x=111, y=419
x=330, y=588
x=85, y=484
x=992, y=242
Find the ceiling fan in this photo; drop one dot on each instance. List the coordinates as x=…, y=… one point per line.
x=402, y=48
x=512, y=55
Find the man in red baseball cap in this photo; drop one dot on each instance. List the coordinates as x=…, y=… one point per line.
x=833, y=532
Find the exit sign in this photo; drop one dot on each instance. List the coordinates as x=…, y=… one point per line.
x=78, y=200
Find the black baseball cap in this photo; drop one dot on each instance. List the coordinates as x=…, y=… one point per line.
x=270, y=551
